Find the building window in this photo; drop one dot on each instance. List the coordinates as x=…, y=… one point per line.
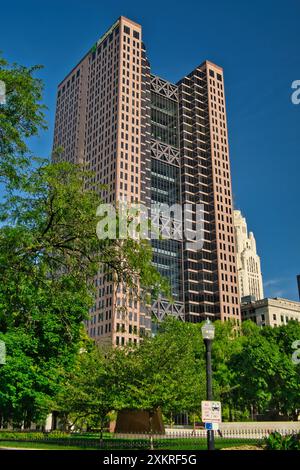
x=126, y=30
x=136, y=34
x=211, y=73
x=164, y=119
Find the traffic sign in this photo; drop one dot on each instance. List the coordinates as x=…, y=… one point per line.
x=211, y=426
x=211, y=411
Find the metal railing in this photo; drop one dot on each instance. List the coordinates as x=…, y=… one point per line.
x=172, y=439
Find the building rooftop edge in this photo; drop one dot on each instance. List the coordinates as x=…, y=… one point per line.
x=112, y=27
x=124, y=18
x=266, y=300
x=129, y=20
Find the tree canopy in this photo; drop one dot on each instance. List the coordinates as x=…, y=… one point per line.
x=21, y=117
x=49, y=255
x=167, y=371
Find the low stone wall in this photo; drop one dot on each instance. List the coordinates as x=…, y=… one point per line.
x=240, y=430
x=262, y=425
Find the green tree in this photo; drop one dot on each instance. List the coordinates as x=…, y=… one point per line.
x=21, y=117
x=225, y=344
x=263, y=373
x=25, y=384
x=165, y=372
x=286, y=384
x=252, y=369
x=49, y=254
x=86, y=393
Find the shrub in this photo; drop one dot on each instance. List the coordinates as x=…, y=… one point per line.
x=58, y=434
x=276, y=441
x=14, y=435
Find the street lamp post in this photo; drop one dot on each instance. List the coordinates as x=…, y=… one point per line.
x=208, y=334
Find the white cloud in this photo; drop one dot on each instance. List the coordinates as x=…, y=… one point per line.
x=274, y=282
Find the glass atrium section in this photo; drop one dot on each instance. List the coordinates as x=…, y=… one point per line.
x=165, y=183
x=165, y=189
x=167, y=259
x=164, y=119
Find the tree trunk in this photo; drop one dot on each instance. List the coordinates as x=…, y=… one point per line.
x=54, y=421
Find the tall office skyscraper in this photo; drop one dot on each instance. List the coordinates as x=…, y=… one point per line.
x=153, y=141
x=248, y=261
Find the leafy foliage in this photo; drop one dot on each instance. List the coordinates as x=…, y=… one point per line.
x=263, y=374
x=49, y=254
x=276, y=441
x=166, y=371
x=21, y=117
x=86, y=394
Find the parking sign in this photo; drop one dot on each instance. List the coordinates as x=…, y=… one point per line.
x=211, y=411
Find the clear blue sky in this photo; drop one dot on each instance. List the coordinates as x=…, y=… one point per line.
x=257, y=43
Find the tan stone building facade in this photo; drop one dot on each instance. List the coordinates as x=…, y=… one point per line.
x=248, y=261
x=271, y=312
x=152, y=141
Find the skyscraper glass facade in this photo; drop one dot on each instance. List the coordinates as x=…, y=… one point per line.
x=165, y=187
x=160, y=143
x=164, y=119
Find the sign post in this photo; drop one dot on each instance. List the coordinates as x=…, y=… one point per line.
x=211, y=413
x=208, y=334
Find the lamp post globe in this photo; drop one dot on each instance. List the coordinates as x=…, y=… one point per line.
x=208, y=330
